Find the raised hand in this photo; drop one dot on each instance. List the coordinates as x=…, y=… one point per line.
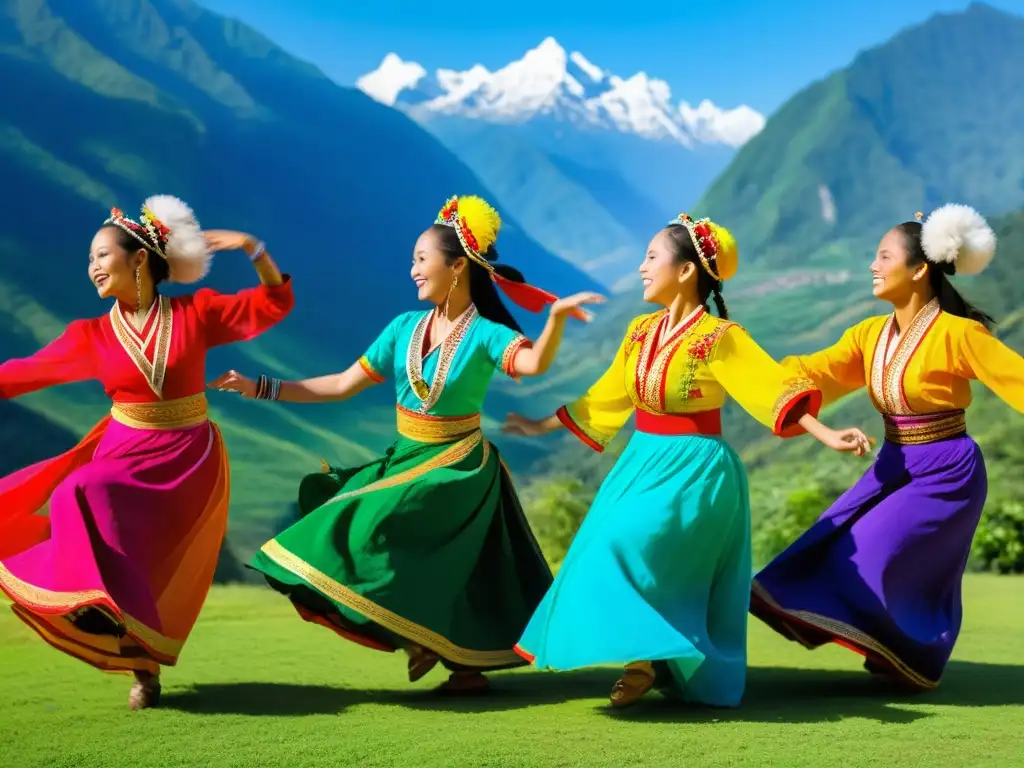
x=228, y=240
x=233, y=381
x=571, y=305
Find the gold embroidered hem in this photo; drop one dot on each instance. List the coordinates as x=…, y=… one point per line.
x=59, y=604
x=435, y=429
x=508, y=359
x=839, y=633
x=164, y=414
x=796, y=390
x=391, y=621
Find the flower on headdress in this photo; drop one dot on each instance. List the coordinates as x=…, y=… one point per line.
x=468, y=235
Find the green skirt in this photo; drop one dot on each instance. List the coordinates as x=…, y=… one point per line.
x=428, y=546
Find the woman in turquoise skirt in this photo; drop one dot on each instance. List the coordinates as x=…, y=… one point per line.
x=658, y=576
x=426, y=549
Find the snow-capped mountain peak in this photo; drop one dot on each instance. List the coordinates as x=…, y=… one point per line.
x=548, y=82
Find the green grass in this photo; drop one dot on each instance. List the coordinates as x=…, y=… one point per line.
x=257, y=687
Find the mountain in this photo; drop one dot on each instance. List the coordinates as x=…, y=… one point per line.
x=562, y=141
x=120, y=99
x=922, y=120
x=930, y=116
x=899, y=130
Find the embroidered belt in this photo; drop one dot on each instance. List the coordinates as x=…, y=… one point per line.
x=924, y=428
x=164, y=414
x=435, y=429
x=698, y=423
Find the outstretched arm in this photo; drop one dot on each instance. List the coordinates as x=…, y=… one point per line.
x=322, y=389
x=983, y=357
x=66, y=359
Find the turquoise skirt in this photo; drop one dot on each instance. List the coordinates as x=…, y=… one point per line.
x=659, y=571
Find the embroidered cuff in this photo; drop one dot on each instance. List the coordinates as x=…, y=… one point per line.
x=591, y=440
x=799, y=394
x=364, y=363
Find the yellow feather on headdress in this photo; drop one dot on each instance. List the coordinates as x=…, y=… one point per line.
x=481, y=218
x=727, y=258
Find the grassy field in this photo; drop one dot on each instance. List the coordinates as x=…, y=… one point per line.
x=256, y=687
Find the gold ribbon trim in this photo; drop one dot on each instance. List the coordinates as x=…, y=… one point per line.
x=435, y=429
x=165, y=414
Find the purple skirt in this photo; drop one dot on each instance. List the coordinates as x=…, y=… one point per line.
x=881, y=571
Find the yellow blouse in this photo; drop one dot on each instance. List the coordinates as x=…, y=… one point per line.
x=929, y=368
x=690, y=371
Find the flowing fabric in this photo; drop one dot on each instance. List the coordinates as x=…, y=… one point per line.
x=881, y=570
x=109, y=550
x=428, y=545
x=660, y=569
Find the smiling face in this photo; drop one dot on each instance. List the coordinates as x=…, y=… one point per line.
x=111, y=266
x=431, y=271
x=662, y=275
x=892, y=279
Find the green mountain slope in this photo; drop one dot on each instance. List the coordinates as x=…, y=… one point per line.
x=931, y=116
x=120, y=99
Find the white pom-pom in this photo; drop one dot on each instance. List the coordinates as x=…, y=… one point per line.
x=188, y=255
x=958, y=234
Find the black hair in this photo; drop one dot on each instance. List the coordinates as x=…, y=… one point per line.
x=482, y=290
x=158, y=267
x=950, y=300
x=707, y=286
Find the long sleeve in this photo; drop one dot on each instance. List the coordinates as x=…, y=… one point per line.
x=231, y=317
x=983, y=357
x=837, y=370
x=604, y=409
x=67, y=359
x=772, y=394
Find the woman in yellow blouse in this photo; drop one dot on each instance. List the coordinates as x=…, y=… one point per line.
x=658, y=576
x=880, y=572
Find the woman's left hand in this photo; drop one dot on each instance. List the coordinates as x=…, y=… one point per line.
x=849, y=441
x=570, y=305
x=228, y=240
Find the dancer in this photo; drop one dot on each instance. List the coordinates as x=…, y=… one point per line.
x=660, y=569
x=117, y=572
x=881, y=571
x=426, y=549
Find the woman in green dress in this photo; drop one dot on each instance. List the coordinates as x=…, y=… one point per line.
x=426, y=549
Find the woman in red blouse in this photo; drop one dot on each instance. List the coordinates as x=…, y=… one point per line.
x=117, y=571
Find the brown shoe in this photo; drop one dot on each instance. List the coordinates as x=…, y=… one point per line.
x=465, y=684
x=421, y=661
x=634, y=684
x=144, y=694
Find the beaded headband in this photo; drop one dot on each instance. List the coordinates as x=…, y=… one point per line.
x=704, y=241
x=449, y=217
x=149, y=230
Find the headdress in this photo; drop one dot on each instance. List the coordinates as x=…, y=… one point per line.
x=959, y=238
x=477, y=225
x=714, y=244
x=168, y=228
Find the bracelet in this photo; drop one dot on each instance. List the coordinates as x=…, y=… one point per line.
x=267, y=388
x=258, y=252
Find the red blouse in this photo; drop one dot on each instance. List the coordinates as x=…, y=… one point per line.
x=165, y=361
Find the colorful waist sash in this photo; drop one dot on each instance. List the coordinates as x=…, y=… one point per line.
x=924, y=428
x=435, y=429
x=164, y=414
x=700, y=423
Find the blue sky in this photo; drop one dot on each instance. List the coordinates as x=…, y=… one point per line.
x=731, y=51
